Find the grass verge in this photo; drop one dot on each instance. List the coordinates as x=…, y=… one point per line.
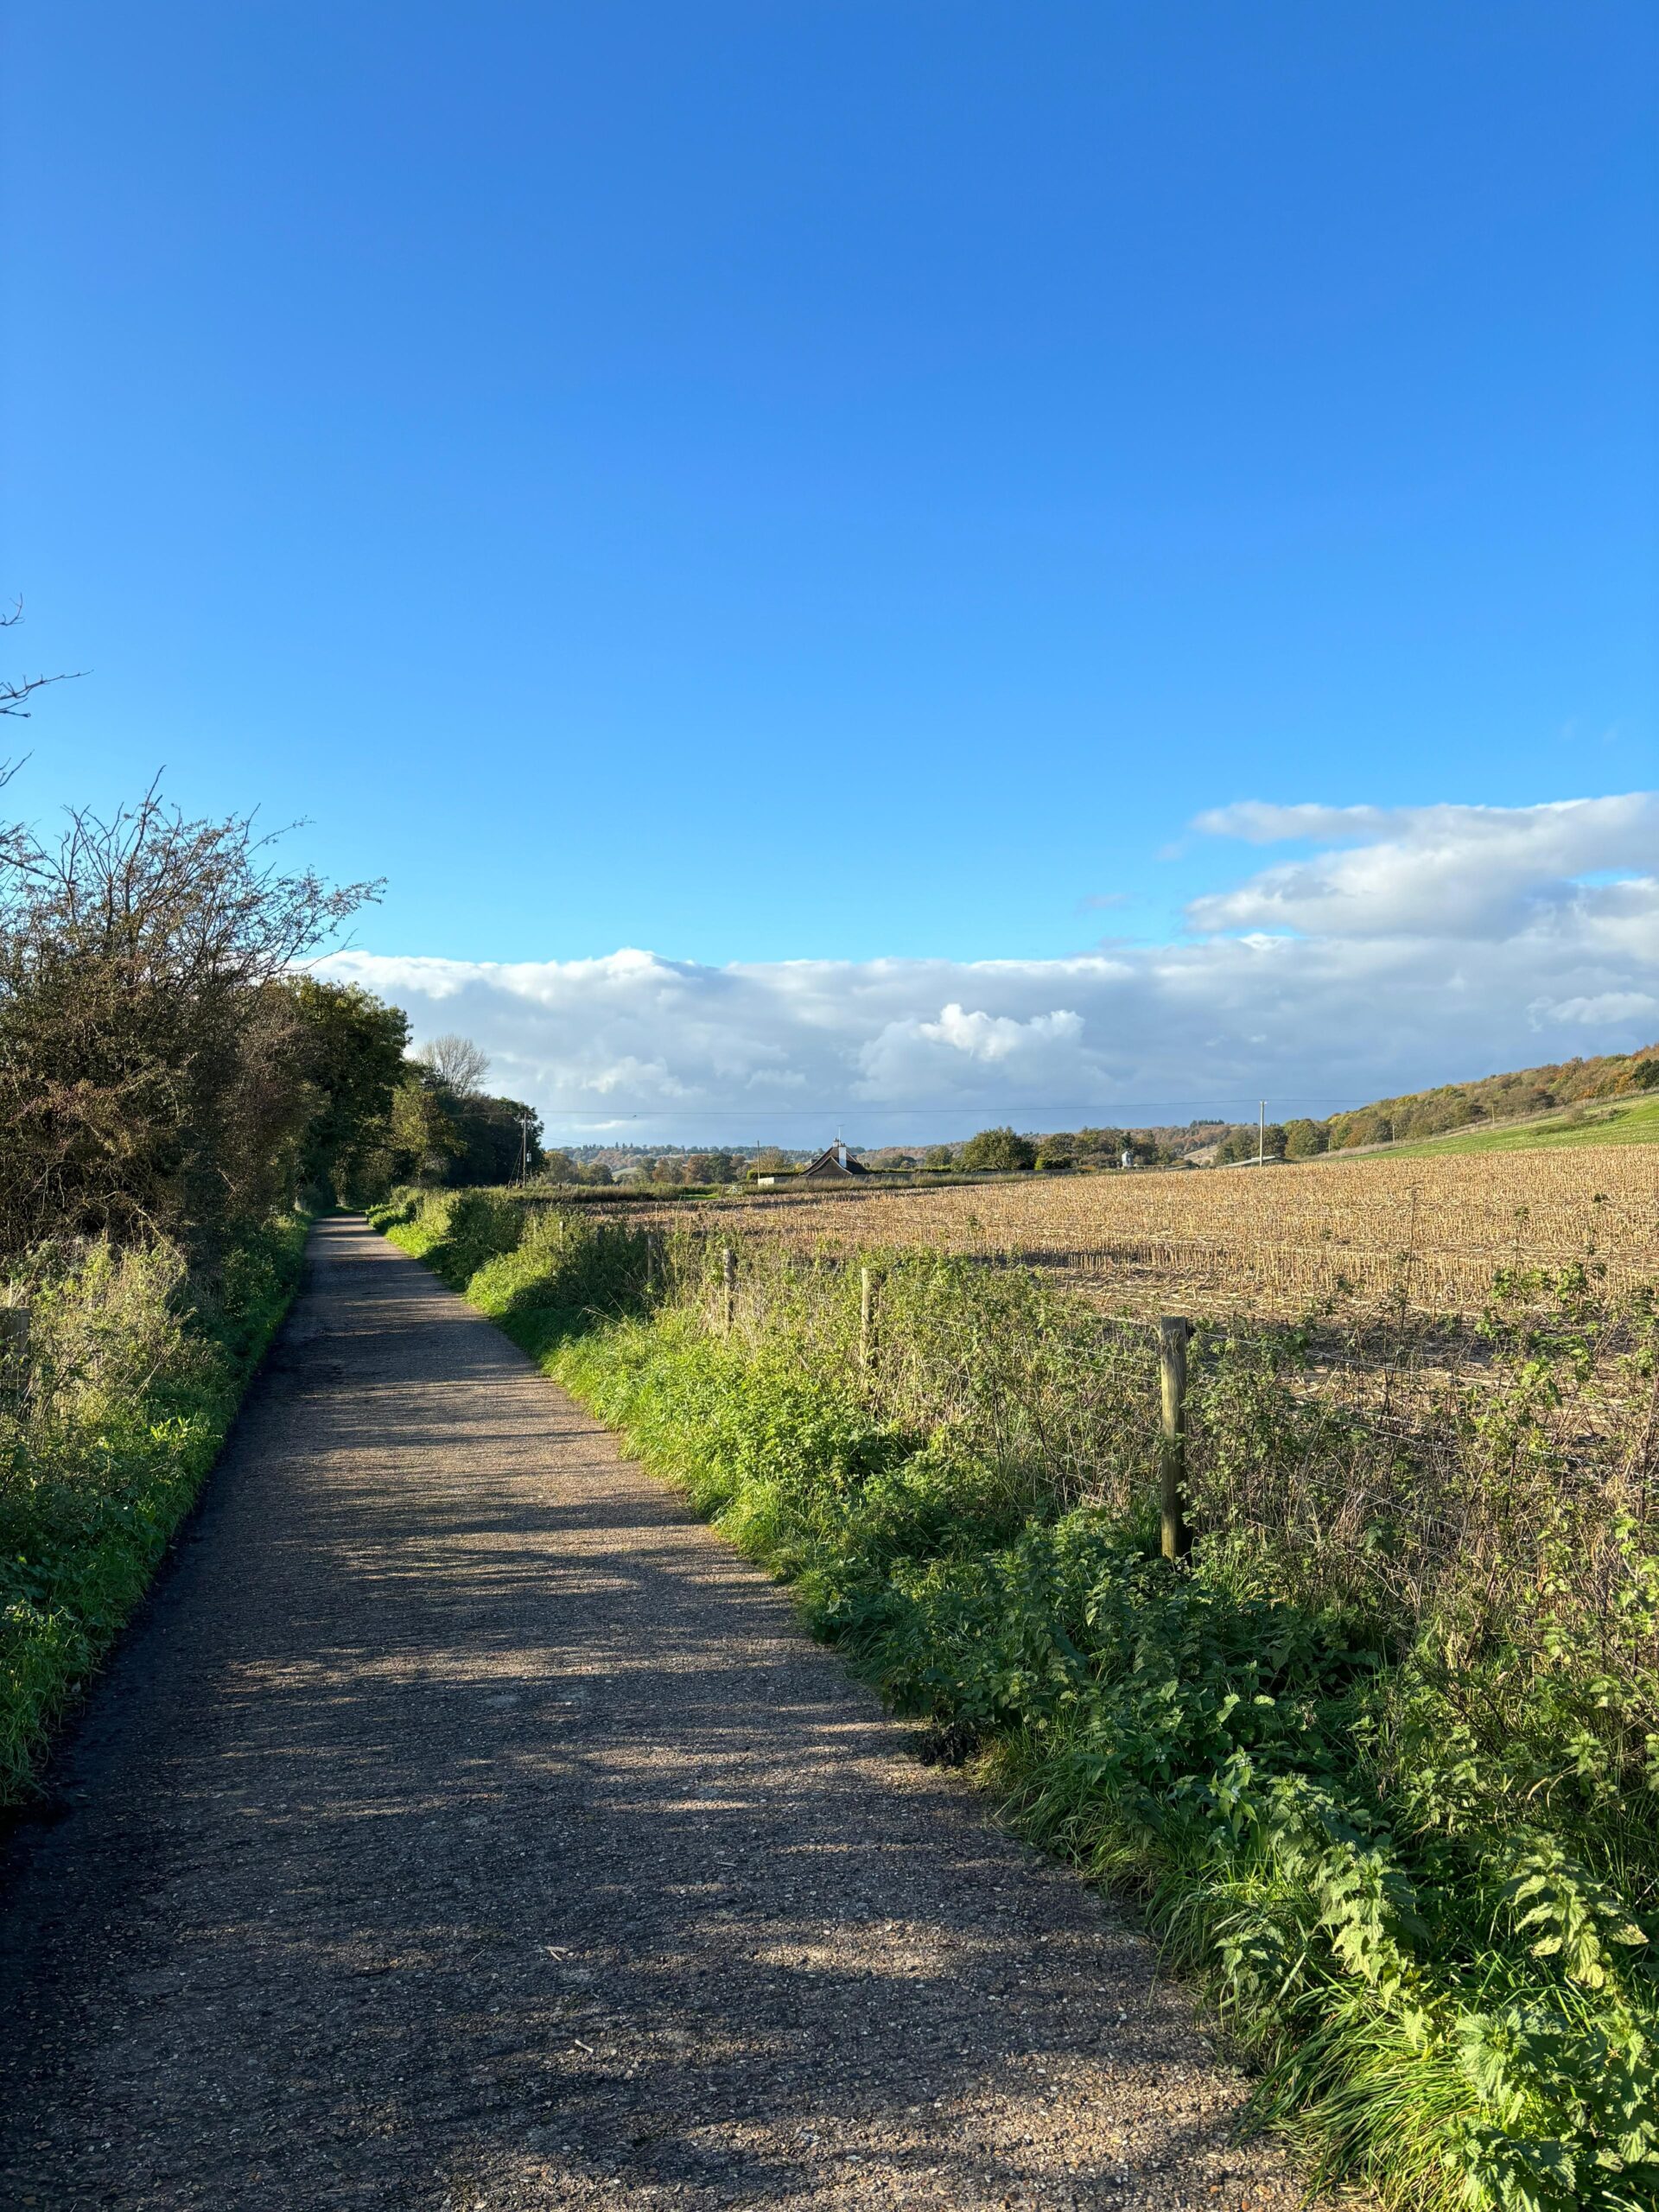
x=135, y=1375
x=1592, y=1124
x=1382, y=1765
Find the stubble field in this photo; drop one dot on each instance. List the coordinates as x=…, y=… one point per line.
x=1424, y=1234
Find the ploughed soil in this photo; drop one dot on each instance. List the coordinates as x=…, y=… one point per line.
x=464, y=1824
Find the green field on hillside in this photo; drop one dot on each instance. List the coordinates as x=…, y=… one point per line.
x=1636, y=1123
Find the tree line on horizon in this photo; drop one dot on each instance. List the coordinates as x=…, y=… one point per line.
x=170, y=1066
x=1512, y=1095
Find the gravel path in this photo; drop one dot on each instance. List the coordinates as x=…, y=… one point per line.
x=466, y=1826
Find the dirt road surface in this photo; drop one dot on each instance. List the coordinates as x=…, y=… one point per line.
x=466, y=1826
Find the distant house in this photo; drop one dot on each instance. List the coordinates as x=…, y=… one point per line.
x=834, y=1164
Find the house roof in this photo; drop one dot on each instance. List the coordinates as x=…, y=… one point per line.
x=834, y=1160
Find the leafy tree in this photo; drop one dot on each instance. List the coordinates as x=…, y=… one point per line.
x=353, y=1053
x=495, y=1143
x=939, y=1156
x=1100, y=1147
x=423, y=1137
x=1144, y=1149
x=1305, y=1140
x=667, y=1169
x=1370, y=1125
x=560, y=1166
x=1056, y=1151
x=152, y=1061
x=998, y=1148
x=1244, y=1142
x=471, y=1138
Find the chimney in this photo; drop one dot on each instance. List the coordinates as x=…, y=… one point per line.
x=841, y=1153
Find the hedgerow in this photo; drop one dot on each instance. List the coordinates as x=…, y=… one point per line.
x=1382, y=1762
x=134, y=1375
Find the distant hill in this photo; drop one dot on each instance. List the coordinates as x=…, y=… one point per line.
x=1471, y=1106
x=1496, y=1098
x=1633, y=1120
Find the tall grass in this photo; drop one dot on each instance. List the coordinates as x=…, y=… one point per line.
x=135, y=1373
x=1382, y=1763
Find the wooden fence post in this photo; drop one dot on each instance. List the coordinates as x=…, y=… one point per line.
x=13, y=1354
x=866, y=1317
x=728, y=1276
x=1173, y=1335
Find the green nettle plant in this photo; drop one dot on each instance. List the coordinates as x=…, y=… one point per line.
x=1382, y=1761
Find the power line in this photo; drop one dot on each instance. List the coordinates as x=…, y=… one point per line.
x=750, y=1109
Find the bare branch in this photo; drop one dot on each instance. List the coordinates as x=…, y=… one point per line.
x=12, y=695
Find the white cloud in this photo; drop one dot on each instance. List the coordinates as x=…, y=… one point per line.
x=1439, y=871
x=1258, y=823
x=1611, y=1009
x=1418, y=945
x=995, y=1037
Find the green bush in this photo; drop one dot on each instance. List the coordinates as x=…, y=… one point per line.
x=135, y=1375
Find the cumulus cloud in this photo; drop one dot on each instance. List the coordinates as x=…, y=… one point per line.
x=1439, y=871
x=1407, y=947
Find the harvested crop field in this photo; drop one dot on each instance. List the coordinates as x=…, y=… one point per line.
x=1429, y=1233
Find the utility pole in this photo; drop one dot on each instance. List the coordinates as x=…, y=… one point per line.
x=1262, y=1134
x=523, y=1121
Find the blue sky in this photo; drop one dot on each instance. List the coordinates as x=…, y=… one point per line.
x=835, y=483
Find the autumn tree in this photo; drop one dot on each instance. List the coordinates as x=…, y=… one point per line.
x=153, y=1075
x=1305, y=1140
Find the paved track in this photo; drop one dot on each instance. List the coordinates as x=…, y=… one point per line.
x=466, y=1826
